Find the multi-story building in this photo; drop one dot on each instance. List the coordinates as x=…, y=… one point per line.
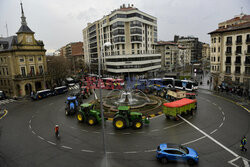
x=74, y=53
x=230, y=51
x=193, y=46
x=206, y=51
x=133, y=35
x=23, y=65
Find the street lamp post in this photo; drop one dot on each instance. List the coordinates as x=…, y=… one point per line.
x=107, y=44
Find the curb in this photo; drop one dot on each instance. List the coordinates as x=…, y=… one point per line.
x=232, y=101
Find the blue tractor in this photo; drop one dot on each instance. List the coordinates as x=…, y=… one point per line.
x=71, y=105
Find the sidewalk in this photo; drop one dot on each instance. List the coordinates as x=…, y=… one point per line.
x=237, y=99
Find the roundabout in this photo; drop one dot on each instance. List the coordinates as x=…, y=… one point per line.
x=215, y=116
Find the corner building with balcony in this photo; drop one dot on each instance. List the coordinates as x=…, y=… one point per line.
x=23, y=65
x=230, y=52
x=133, y=35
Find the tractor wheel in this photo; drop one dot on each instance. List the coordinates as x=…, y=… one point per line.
x=80, y=117
x=91, y=120
x=137, y=124
x=119, y=123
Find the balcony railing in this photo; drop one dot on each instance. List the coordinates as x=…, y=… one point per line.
x=238, y=42
x=247, y=63
x=246, y=73
x=238, y=52
x=247, y=52
x=229, y=43
x=228, y=53
x=228, y=63
x=30, y=76
x=228, y=72
x=237, y=73
x=237, y=63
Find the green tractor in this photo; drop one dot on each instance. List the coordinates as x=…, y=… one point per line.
x=87, y=113
x=124, y=118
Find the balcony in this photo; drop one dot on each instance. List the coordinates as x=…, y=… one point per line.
x=227, y=72
x=237, y=73
x=237, y=63
x=247, y=73
x=228, y=63
x=238, y=42
x=247, y=52
x=238, y=52
x=247, y=63
x=30, y=76
x=229, y=43
x=228, y=53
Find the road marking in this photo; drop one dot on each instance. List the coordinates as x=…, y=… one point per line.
x=130, y=152
x=30, y=122
x=147, y=151
x=173, y=125
x=220, y=108
x=96, y=132
x=111, y=133
x=140, y=132
x=73, y=127
x=126, y=133
x=223, y=113
x=5, y=113
x=29, y=126
x=213, y=131
x=51, y=143
x=110, y=152
x=89, y=151
x=194, y=140
x=66, y=147
x=215, y=104
x=40, y=137
x=224, y=118
x=155, y=130
x=33, y=132
x=204, y=133
x=221, y=124
x=84, y=130
x=208, y=101
x=245, y=161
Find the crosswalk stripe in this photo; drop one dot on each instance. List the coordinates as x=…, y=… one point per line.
x=6, y=101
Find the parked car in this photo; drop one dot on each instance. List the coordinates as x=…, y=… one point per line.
x=2, y=95
x=174, y=152
x=41, y=94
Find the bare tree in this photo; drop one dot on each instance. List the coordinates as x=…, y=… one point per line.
x=58, y=68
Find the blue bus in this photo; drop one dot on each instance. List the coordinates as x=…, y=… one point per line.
x=60, y=90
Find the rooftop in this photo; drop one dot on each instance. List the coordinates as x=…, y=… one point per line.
x=236, y=27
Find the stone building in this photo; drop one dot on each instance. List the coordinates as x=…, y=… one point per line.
x=23, y=65
x=230, y=52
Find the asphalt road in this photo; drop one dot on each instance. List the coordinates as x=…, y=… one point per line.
x=27, y=136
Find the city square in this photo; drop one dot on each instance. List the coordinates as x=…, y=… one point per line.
x=123, y=97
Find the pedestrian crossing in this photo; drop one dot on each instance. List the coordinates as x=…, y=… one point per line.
x=6, y=101
x=74, y=87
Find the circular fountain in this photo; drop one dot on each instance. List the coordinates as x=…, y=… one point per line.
x=127, y=98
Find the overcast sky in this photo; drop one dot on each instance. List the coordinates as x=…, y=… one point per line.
x=59, y=22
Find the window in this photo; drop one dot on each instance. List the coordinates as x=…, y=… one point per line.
x=218, y=59
x=31, y=59
x=229, y=40
x=32, y=70
x=219, y=39
x=7, y=72
x=228, y=69
x=123, y=46
x=238, y=50
x=228, y=60
x=21, y=59
x=23, y=71
x=239, y=39
x=238, y=59
x=41, y=69
x=133, y=46
x=248, y=38
x=248, y=48
x=229, y=50
x=214, y=40
x=3, y=71
x=218, y=49
x=237, y=70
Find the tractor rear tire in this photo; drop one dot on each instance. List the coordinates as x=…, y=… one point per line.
x=80, y=117
x=119, y=123
x=91, y=120
x=137, y=124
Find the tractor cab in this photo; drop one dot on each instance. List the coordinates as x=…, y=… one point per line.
x=86, y=107
x=124, y=110
x=71, y=105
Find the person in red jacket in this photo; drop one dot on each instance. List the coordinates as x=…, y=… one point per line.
x=57, y=130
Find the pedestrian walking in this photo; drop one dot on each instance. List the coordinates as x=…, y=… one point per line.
x=57, y=131
x=243, y=143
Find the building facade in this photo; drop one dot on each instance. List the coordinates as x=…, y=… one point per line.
x=230, y=52
x=23, y=65
x=133, y=35
x=75, y=54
